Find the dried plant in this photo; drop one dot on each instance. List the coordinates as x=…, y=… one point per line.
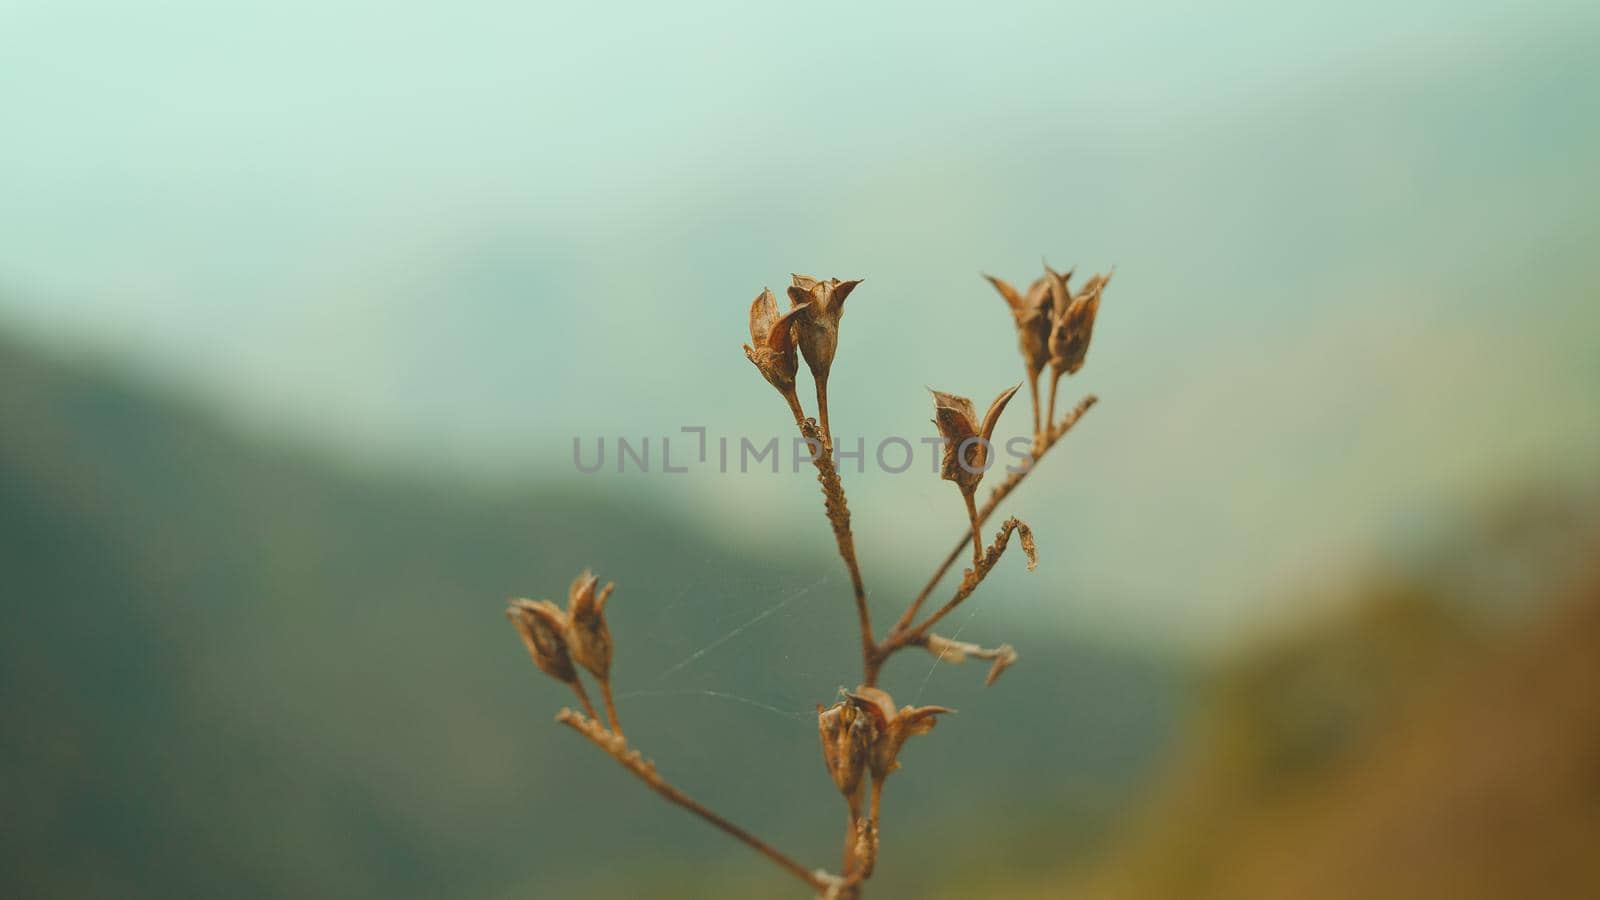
x=862, y=732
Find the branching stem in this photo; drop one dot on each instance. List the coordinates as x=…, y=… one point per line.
x=617, y=748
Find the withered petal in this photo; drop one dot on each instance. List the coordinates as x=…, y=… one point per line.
x=921, y=719
x=1009, y=293
x=841, y=291
x=1060, y=291
x=582, y=589
x=992, y=418
x=780, y=334
x=950, y=406
x=763, y=312
x=874, y=701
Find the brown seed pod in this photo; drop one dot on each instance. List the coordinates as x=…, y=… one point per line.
x=817, y=330
x=966, y=447
x=847, y=735
x=1031, y=312
x=542, y=626
x=893, y=727
x=587, y=633
x=772, y=342
x=1072, y=321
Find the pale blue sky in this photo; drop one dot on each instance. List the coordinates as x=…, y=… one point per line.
x=1353, y=243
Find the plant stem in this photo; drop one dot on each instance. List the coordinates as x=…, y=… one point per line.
x=852, y=817
x=1055, y=381
x=822, y=410
x=583, y=697
x=972, y=517
x=1033, y=390
x=794, y=405
x=611, y=707
x=614, y=746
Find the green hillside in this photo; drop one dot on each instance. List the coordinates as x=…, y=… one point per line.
x=237, y=670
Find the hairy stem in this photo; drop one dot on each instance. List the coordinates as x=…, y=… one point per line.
x=614, y=746
x=839, y=516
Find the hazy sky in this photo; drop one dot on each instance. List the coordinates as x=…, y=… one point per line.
x=1354, y=292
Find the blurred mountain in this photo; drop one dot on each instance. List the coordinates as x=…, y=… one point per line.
x=239, y=670
x=1417, y=745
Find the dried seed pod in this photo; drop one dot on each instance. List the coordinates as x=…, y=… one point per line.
x=817, y=330
x=588, y=635
x=893, y=727
x=772, y=344
x=1072, y=321
x=966, y=447
x=847, y=735
x=1071, y=327
x=1031, y=312
x=542, y=626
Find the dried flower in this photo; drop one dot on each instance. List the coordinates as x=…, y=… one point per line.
x=772, y=346
x=966, y=446
x=893, y=727
x=587, y=632
x=817, y=330
x=1031, y=313
x=1071, y=326
x=847, y=735
x=542, y=626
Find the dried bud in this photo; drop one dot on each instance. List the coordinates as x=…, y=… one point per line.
x=1072, y=321
x=772, y=342
x=587, y=633
x=817, y=330
x=1031, y=313
x=542, y=626
x=847, y=735
x=893, y=728
x=966, y=447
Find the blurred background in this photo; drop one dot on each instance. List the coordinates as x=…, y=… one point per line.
x=302, y=306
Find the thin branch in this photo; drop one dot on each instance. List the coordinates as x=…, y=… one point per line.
x=611, y=707
x=969, y=583
x=839, y=516
x=822, y=408
x=583, y=697
x=996, y=497
x=972, y=520
x=645, y=770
